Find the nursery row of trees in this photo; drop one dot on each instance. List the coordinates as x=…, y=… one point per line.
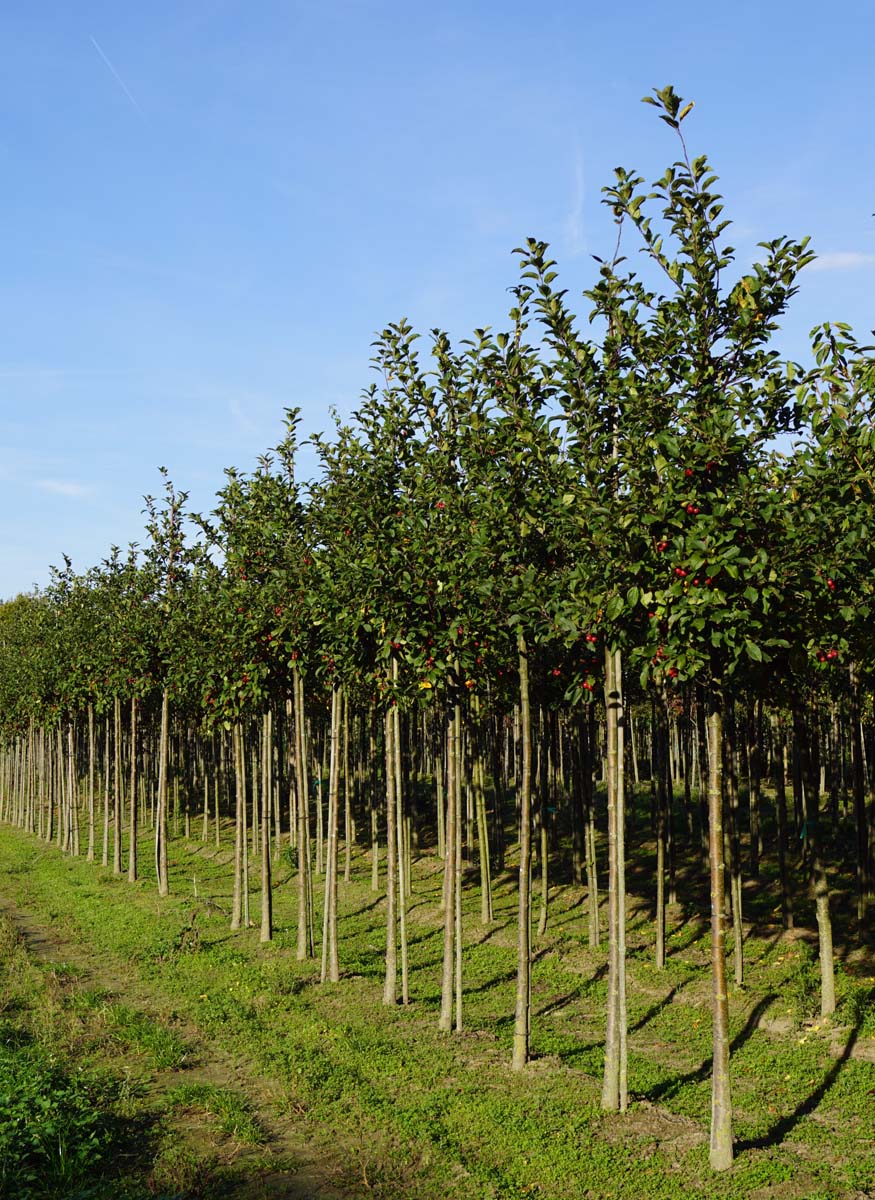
x=545, y=560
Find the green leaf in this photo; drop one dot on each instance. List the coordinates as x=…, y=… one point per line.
x=753, y=650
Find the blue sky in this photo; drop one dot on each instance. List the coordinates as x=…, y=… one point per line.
x=209, y=208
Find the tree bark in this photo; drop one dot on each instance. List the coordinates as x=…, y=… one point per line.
x=161, y=814
x=266, y=933
x=721, y=1102
x=132, y=802
x=614, y=1087
x=330, y=962
x=522, y=1014
x=239, y=802
x=117, y=788
x=390, y=985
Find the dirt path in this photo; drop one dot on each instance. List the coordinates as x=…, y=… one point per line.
x=295, y=1163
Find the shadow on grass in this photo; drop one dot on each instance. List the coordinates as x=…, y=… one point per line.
x=655, y=1010
x=672, y=1086
x=780, y=1130
x=690, y=930
x=348, y=916
x=506, y=977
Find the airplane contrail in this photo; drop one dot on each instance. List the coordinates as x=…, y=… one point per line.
x=116, y=75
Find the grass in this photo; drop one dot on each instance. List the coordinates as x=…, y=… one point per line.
x=399, y=1109
x=136, y=1030
x=83, y=1113
x=60, y=1120
x=232, y=1112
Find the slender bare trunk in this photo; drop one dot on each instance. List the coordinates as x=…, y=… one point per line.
x=401, y=830
x=266, y=932
x=132, y=802
x=330, y=963
x=522, y=1012
x=117, y=802
x=721, y=1101
x=390, y=986
x=305, y=909
x=91, y=831
x=614, y=1088
x=239, y=802
x=161, y=814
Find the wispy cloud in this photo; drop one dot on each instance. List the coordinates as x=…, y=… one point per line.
x=574, y=221
x=64, y=487
x=115, y=74
x=241, y=418
x=843, y=260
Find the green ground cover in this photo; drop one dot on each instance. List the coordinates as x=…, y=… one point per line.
x=400, y=1109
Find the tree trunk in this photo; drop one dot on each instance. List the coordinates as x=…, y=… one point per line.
x=330, y=963
x=735, y=887
x=755, y=750
x=348, y=819
x=819, y=880
x=614, y=1088
x=90, y=851
x=161, y=814
x=522, y=1014
x=390, y=985
x=305, y=909
x=239, y=802
x=117, y=788
x=859, y=795
x=132, y=802
x=781, y=812
x=104, y=859
x=452, y=868
x=401, y=832
x=266, y=933
x=721, y=1102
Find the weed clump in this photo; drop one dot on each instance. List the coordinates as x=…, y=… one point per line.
x=54, y=1128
